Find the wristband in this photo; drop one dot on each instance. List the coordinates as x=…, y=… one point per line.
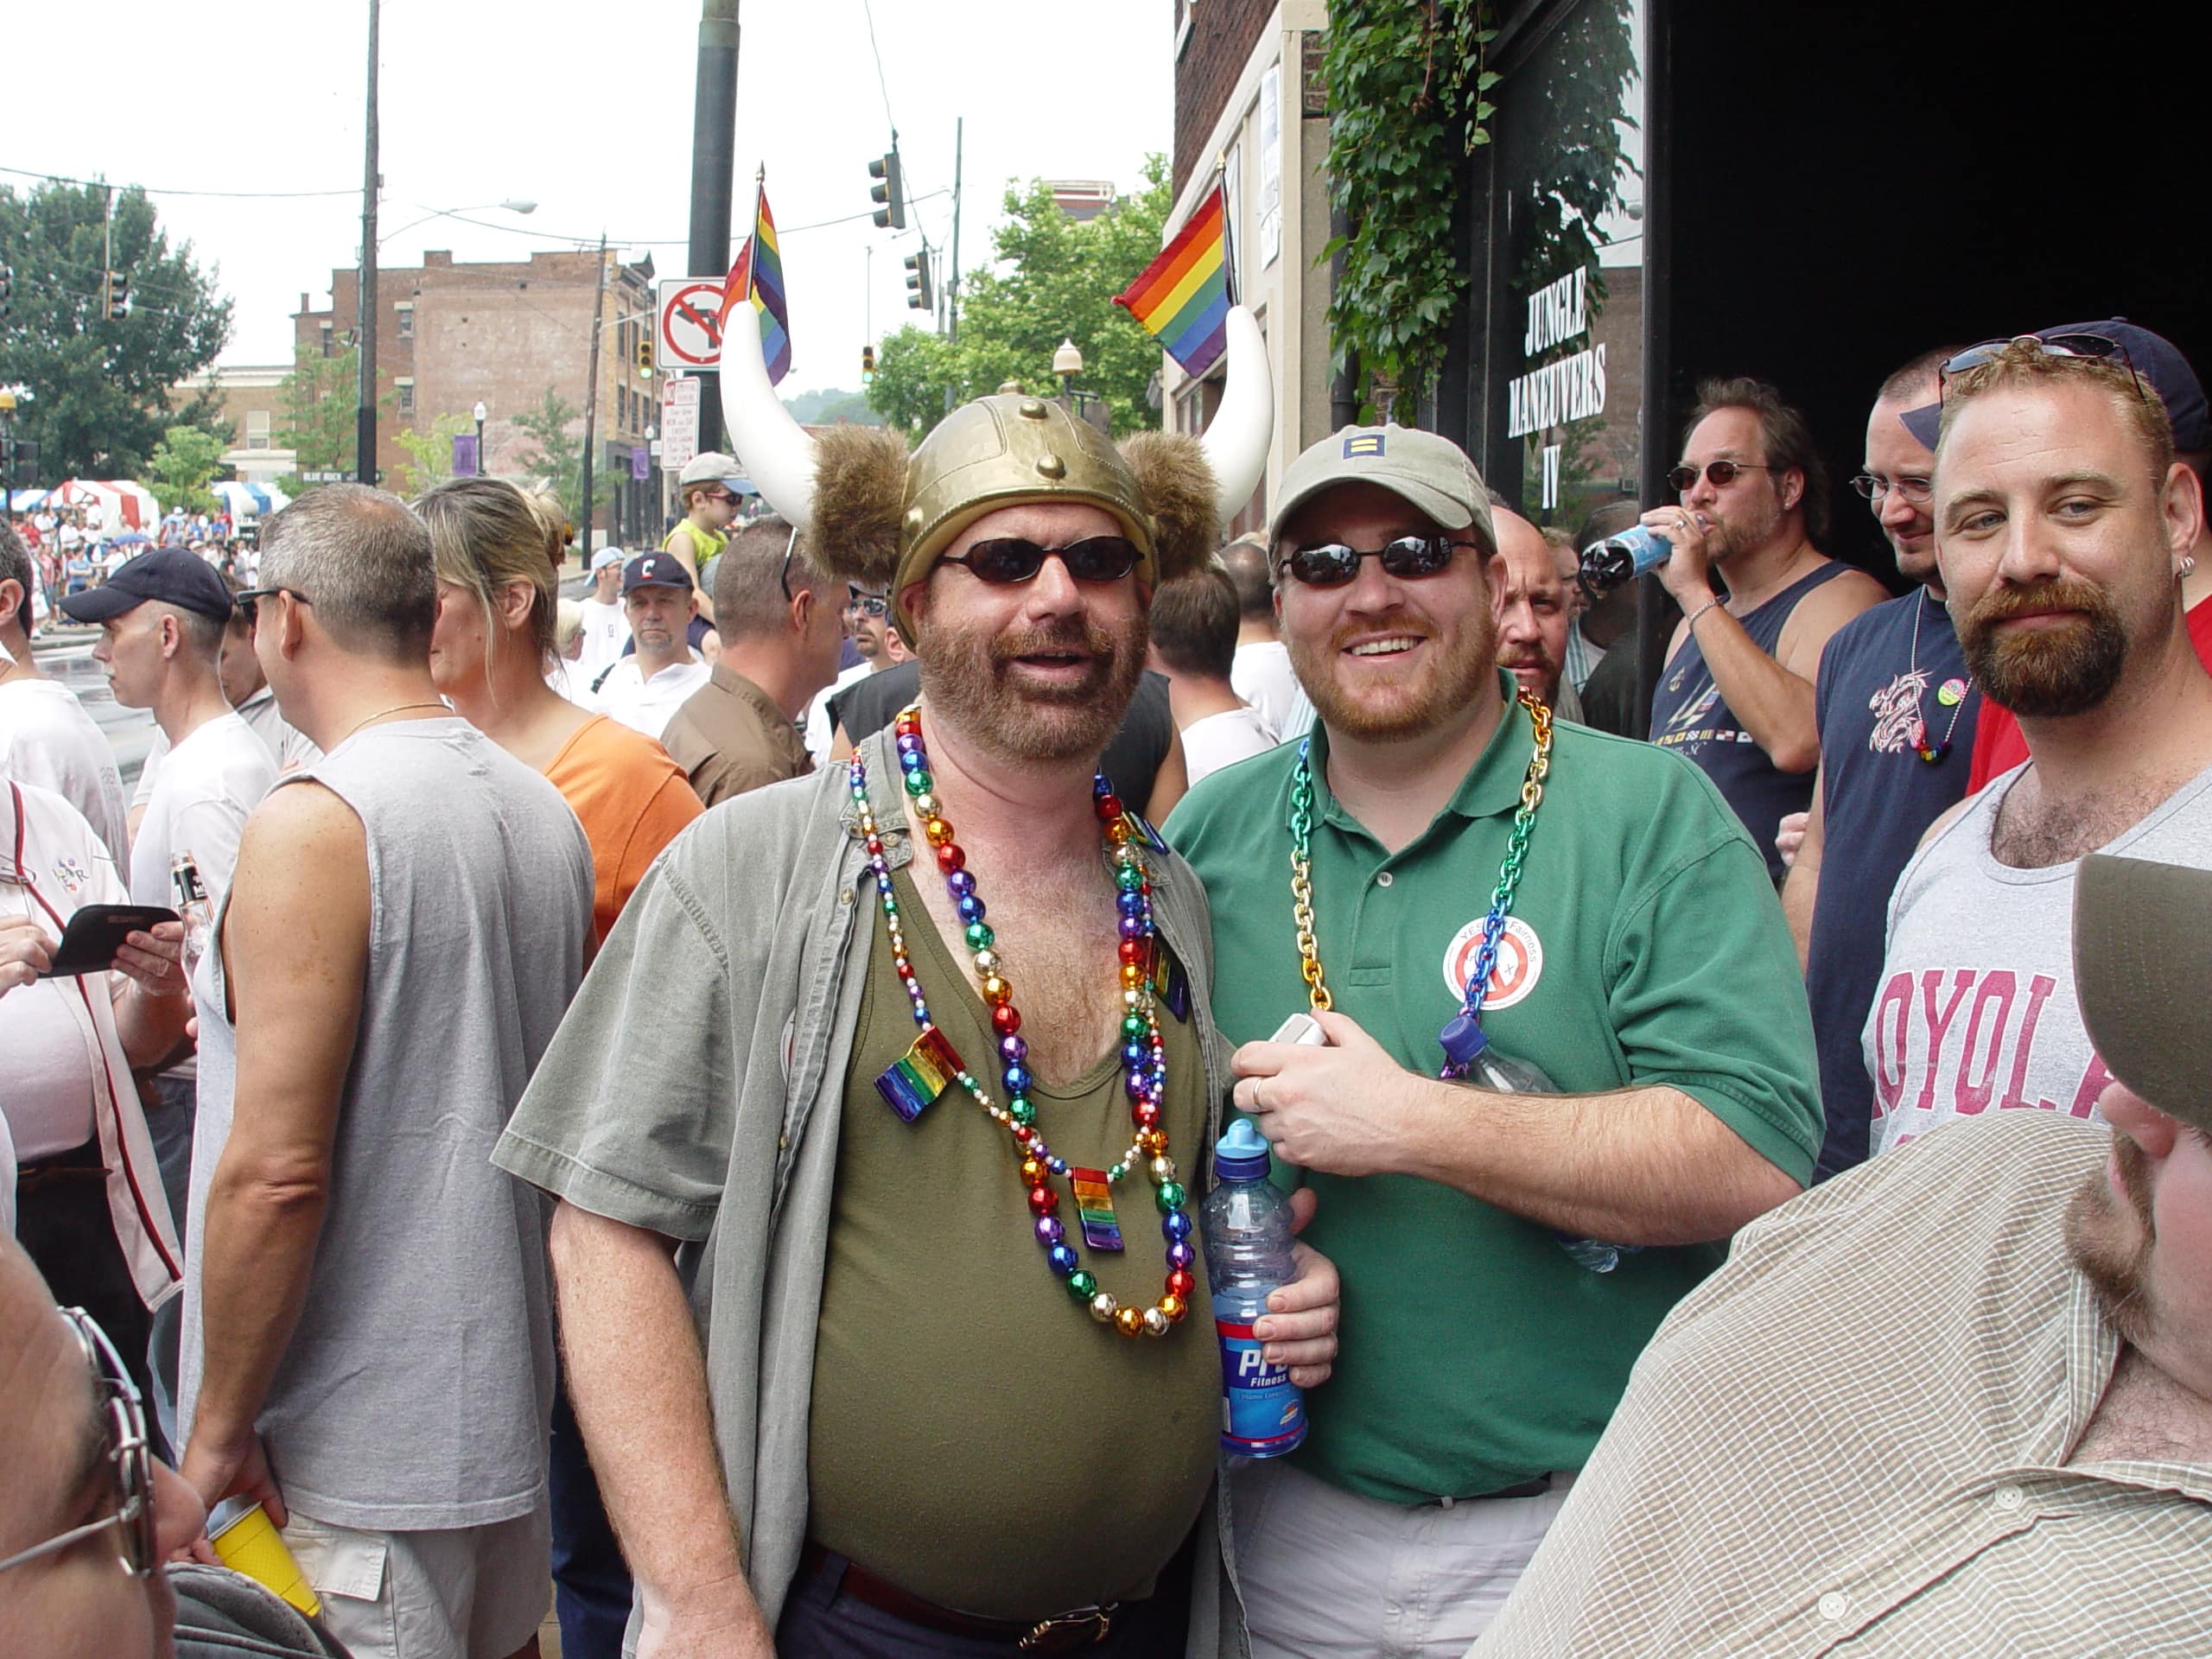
x=1690, y=621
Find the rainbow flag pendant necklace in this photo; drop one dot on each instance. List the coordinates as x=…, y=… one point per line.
x=931, y=1065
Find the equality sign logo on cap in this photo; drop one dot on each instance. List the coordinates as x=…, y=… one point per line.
x=1362, y=443
x=655, y=570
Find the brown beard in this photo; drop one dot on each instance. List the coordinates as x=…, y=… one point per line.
x=2116, y=1266
x=2061, y=671
x=1448, y=687
x=966, y=676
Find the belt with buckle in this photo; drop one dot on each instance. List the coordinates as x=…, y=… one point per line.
x=1078, y=1627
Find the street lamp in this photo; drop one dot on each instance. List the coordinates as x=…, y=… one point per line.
x=1067, y=363
x=482, y=471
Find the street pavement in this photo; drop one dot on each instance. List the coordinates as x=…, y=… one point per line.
x=67, y=654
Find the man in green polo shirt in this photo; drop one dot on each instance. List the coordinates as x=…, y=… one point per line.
x=1642, y=965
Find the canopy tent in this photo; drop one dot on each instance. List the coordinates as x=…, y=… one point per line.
x=25, y=501
x=123, y=505
x=251, y=500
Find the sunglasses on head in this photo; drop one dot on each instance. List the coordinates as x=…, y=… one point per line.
x=122, y=1421
x=1719, y=474
x=2097, y=348
x=1407, y=557
x=1015, y=558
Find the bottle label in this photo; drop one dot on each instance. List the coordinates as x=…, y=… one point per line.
x=1262, y=1412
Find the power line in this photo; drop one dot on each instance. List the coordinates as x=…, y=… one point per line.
x=869, y=12
x=151, y=190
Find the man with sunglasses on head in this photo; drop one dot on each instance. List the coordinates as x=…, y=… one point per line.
x=819, y=1273
x=1440, y=831
x=1897, y=710
x=779, y=633
x=2064, y=525
x=1998, y=746
x=1737, y=694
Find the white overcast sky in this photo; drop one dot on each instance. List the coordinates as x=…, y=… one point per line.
x=587, y=110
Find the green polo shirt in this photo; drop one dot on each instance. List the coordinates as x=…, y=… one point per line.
x=1648, y=948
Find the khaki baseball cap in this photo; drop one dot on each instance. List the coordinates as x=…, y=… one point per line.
x=712, y=467
x=1432, y=473
x=2142, y=957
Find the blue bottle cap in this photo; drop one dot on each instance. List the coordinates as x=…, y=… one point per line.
x=1241, y=1155
x=1462, y=1038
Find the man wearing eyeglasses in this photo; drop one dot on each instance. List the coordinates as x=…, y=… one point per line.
x=1897, y=710
x=1736, y=695
x=2064, y=524
x=779, y=647
x=867, y=617
x=1619, y=934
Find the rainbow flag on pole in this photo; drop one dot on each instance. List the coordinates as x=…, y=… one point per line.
x=761, y=279
x=1183, y=297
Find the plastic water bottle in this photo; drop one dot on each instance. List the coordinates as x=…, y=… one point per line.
x=1507, y=1074
x=1617, y=559
x=1245, y=1226
x=188, y=898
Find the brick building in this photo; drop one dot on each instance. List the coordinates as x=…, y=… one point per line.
x=1248, y=110
x=503, y=333
x=250, y=397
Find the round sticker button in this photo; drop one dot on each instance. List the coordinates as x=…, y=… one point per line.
x=1520, y=962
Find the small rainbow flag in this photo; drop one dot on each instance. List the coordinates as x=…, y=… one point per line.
x=920, y=1075
x=761, y=280
x=1094, y=1203
x=1183, y=297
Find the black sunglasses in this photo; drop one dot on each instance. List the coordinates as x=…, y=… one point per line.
x=1719, y=474
x=248, y=600
x=124, y=1418
x=2098, y=347
x=1407, y=557
x=1014, y=558
x=868, y=604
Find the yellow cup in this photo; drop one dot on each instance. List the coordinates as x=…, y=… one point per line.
x=247, y=1544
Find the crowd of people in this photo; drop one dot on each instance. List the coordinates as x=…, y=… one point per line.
x=669, y=1094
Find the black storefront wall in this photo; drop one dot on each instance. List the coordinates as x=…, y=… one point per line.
x=1824, y=191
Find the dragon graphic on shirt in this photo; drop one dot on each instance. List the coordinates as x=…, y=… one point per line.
x=1897, y=713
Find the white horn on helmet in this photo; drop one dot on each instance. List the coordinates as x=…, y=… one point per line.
x=1236, y=439
x=773, y=449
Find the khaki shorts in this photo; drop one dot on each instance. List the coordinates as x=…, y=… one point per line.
x=469, y=1592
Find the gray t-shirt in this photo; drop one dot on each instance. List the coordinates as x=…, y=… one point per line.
x=416, y=1392
x=1975, y=1011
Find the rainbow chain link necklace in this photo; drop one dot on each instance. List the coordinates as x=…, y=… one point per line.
x=931, y=1065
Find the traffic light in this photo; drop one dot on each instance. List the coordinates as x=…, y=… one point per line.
x=24, y=474
x=919, y=294
x=868, y=366
x=889, y=192
x=645, y=357
x=116, y=300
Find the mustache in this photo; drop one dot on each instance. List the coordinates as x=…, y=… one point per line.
x=1074, y=635
x=2054, y=593
x=1398, y=621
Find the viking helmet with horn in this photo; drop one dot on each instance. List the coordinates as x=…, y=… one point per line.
x=879, y=516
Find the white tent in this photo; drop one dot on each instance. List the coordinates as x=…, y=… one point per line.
x=249, y=501
x=123, y=505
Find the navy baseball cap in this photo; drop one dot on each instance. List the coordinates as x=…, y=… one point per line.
x=2156, y=359
x=655, y=570
x=176, y=575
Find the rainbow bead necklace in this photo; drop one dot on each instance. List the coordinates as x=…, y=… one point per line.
x=931, y=1065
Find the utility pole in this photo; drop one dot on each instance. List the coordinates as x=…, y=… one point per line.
x=365, y=331
x=952, y=288
x=591, y=394
x=713, y=162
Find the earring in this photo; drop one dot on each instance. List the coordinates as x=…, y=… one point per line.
x=2188, y=566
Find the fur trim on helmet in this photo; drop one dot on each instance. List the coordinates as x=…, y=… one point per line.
x=860, y=487
x=1178, y=486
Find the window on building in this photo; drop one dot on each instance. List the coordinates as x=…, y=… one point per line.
x=326, y=352
x=256, y=429
x=406, y=389
x=406, y=321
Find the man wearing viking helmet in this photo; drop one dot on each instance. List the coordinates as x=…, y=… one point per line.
x=901, y=1077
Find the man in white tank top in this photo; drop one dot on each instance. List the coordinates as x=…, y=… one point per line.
x=2063, y=526
x=368, y=1331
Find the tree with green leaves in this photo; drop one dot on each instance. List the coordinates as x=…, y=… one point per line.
x=96, y=390
x=318, y=421
x=1054, y=279
x=430, y=454
x=559, y=463
x=180, y=467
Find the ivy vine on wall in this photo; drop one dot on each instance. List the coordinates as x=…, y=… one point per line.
x=1407, y=82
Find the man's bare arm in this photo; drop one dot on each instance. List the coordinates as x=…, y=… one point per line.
x=295, y=947
x=1802, y=888
x=639, y=1383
